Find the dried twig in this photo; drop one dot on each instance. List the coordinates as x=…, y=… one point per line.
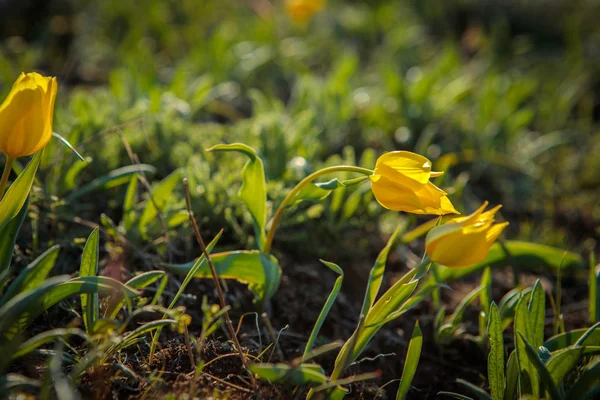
x=216, y=280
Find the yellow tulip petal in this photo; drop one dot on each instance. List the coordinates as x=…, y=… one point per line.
x=410, y=165
x=473, y=217
x=495, y=231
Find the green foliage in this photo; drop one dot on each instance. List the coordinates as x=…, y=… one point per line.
x=551, y=370
x=412, y=361
x=496, y=376
x=18, y=192
x=326, y=307
x=253, y=190
x=529, y=331
x=260, y=271
x=89, y=267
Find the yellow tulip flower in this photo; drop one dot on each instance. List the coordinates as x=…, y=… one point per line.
x=401, y=182
x=465, y=240
x=302, y=10
x=26, y=115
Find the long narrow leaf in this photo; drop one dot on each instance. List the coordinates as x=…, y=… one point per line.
x=495, y=362
x=512, y=376
x=46, y=337
x=376, y=273
x=89, y=267
x=33, y=275
x=114, y=178
x=326, y=308
x=542, y=371
x=411, y=362
x=18, y=192
x=8, y=238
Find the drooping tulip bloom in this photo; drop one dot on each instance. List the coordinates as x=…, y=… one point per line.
x=26, y=115
x=466, y=240
x=401, y=182
x=302, y=10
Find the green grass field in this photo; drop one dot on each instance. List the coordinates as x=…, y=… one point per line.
x=105, y=288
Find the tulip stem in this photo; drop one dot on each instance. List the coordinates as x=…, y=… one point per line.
x=5, y=174
x=294, y=192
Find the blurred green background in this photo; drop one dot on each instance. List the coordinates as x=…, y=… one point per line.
x=501, y=95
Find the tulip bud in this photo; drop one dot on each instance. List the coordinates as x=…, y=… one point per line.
x=26, y=115
x=400, y=182
x=466, y=240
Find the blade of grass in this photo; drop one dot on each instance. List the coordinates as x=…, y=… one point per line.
x=89, y=267
x=326, y=308
x=411, y=362
x=495, y=361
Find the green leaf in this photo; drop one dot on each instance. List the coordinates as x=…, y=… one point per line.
x=376, y=273
x=18, y=192
x=586, y=385
x=303, y=374
x=542, y=372
x=522, y=255
x=46, y=337
x=485, y=300
x=495, y=362
x=114, y=178
x=594, y=293
x=529, y=321
x=455, y=395
x=239, y=147
x=33, y=275
x=508, y=304
x=254, y=189
x=563, y=362
x=512, y=376
x=161, y=193
x=379, y=314
x=479, y=393
x=567, y=339
x=89, y=267
x=411, y=362
x=8, y=238
x=260, y=271
x=129, y=214
x=320, y=191
x=191, y=272
x=326, y=308
x=68, y=145
x=18, y=312
x=21, y=302
x=137, y=282
x=70, y=177
x=457, y=315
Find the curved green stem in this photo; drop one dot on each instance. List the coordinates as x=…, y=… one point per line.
x=5, y=175
x=294, y=192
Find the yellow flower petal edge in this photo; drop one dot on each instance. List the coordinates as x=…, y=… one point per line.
x=465, y=240
x=26, y=115
x=400, y=182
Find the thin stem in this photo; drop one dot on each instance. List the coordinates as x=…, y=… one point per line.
x=5, y=175
x=217, y=282
x=292, y=194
